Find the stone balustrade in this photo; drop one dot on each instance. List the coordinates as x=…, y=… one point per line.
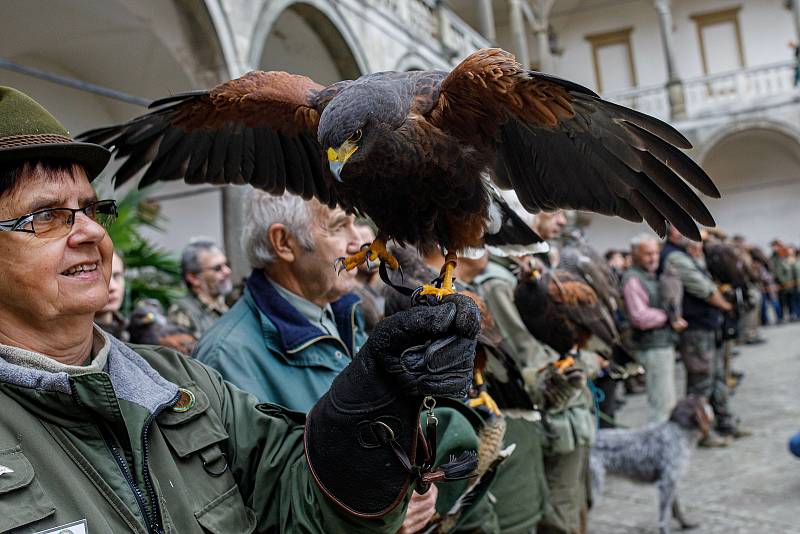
x=713, y=94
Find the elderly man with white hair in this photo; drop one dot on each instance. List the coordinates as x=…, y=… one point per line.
x=298, y=324
x=653, y=334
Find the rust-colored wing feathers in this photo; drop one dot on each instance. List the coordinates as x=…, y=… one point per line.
x=259, y=129
x=277, y=99
x=558, y=145
x=489, y=87
x=572, y=293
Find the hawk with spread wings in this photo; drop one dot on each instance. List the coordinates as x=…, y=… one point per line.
x=412, y=150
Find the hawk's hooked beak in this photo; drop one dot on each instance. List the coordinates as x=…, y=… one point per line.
x=338, y=157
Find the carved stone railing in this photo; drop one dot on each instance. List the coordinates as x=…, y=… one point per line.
x=716, y=93
x=432, y=20
x=738, y=89
x=651, y=100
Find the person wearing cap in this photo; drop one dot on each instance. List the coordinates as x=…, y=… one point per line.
x=100, y=436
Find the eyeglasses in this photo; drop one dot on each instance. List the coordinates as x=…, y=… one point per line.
x=218, y=268
x=57, y=222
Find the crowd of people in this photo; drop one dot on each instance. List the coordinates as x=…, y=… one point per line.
x=295, y=405
x=298, y=323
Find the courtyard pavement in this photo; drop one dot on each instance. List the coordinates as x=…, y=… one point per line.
x=752, y=486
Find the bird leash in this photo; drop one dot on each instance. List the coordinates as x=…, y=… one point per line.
x=413, y=293
x=424, y=474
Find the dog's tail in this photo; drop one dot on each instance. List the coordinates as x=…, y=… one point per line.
x=598, y=472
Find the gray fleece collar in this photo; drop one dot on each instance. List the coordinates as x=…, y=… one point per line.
x=131, y=376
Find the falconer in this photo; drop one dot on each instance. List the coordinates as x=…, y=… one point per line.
x=100, y=436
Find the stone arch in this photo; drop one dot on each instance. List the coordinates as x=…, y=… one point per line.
x=145, y=49
x=412, y=61
x=713, y=139
x=325, y=20
x=757, y=169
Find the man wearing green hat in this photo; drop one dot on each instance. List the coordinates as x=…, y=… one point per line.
x=100, y=436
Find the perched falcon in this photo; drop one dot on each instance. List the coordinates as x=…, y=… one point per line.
x=562, y=311
x=412, y=150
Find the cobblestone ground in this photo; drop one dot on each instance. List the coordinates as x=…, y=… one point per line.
x=752, y=486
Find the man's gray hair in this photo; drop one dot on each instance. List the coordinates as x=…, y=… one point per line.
x=262, y=210
x=190, y=257
x=642, y=238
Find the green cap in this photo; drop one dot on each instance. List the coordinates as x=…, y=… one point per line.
x=30, y=132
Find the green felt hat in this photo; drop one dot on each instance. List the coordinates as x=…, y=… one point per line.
x=30, y=132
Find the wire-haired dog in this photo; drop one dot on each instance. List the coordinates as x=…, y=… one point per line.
x=656, y=453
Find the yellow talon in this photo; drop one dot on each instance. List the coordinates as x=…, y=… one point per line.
x=374, y=252
x=483, y=399
x=446, y=276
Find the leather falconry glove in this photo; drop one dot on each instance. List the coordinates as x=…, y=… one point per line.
x=363, y=439
x=556, y=388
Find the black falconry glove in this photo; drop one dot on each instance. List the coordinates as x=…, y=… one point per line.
x=363, y=439
x=557, y=387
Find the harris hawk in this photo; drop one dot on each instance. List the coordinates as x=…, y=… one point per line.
x=562, y=310
x=412, y=150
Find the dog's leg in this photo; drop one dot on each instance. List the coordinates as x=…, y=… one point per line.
x=598, y=474
x=666, y=493
x=677, y=513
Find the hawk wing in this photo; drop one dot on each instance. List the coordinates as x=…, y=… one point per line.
x=260, y=129
x=559, y=145
x=578, y=302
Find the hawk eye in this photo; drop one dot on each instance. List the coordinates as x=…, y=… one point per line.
x=356, y=137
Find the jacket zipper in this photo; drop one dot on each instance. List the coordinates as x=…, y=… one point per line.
x=152, y=516
x=155, y=523
x=122, y=463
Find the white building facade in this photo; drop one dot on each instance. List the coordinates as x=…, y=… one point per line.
x=721, y=71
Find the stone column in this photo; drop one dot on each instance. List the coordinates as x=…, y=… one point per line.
x=518, y=32
x=233, y=197
x=486, y=20
x=674, y=85
x=541, y=27
x=796, y=17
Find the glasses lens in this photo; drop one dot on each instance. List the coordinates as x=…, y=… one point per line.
x=103, y=212
x=51, y=223
x=218, y=268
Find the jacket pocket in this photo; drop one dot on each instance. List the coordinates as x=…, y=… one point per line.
x=22, y=499
x=226, y=514
x=198, y=440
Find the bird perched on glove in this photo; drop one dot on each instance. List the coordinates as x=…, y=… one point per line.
x=421, y=152
x=562, y=311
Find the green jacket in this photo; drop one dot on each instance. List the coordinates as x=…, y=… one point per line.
x=266, y=347
x=121, y=447
x=193, y=314
x=567, y=427
x=781, y=270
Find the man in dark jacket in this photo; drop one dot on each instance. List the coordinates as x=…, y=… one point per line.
x=700, y=343
x=99, y=436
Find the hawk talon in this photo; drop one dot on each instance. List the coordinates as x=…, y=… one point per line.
x=442, y=285
x=370, y=253
x=339, y=265
x=438, y=292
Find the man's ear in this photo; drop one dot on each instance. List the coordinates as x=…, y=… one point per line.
x=192, y=279
x=282, y=241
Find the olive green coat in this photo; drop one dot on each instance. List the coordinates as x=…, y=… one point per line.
x=102, y=446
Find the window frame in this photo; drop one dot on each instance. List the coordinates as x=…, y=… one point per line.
x=713, y=18
x=600, y=40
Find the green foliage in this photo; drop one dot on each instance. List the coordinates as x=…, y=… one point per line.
x=150, y=272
